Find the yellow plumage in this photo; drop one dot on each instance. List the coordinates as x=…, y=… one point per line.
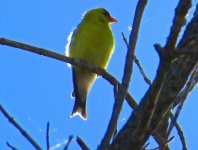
x=93, y=42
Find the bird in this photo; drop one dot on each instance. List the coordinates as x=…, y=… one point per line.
x=92, y=42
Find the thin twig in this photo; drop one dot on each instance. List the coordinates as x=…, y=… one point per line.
x=68, y=142
x=183, y=97
x=23, y=132
x=142, y=71
x=180, y=132
x=122, y=89
x=82, y=144
x=137, y=62
x=47, y=136
x=11, y=146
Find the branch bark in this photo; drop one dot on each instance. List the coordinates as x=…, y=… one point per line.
x=123, y=88
x=159, y=98
x=44, y=52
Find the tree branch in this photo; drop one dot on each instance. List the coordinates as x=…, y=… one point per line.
x=47, y=136
x=180, y=132
x=158, y=99
x=190, y=84
x=68, y=142
x=177, y=77
x=137, y=62
x=157, y=135
x=178, y=22
x=112, y=80
x=82, y=144
x=193, y=83
x=123, y=88
x=10, y=146
x=23, y=132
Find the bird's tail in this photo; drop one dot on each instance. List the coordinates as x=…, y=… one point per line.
x=79, y=109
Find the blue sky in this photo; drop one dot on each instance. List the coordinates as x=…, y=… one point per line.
x=36, y=89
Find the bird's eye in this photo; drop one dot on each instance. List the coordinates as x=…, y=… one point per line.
x=106, y=13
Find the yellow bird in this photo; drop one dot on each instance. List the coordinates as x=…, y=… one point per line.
x=92, y=41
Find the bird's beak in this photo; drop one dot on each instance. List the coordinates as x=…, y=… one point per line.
x=111, y=19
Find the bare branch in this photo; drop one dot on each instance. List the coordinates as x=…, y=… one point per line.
x=131, y=101
x=47, y=136
x=190, y=43
x=161, y=136
x=142, y=116
x=59, y=57
x=112, y=80
x=146, y=79
x=177, y=77
x=190, y=84
x=136, y=60
x=23, y=132
x=11, y=146
x=82, y=144
x=151, y=110
x=178, y=22
x=68, y=142
x=180, y=132
x=183, y=97
x=156, y=135
x=123, y=88
x=187, y=88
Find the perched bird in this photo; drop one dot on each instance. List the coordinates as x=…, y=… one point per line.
x=92, y=41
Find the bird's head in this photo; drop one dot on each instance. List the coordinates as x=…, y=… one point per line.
x=99, y=14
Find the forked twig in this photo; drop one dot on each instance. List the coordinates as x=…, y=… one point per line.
x=137, y=62
x=23, y=132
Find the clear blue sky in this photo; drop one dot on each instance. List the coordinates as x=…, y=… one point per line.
x=36, y=89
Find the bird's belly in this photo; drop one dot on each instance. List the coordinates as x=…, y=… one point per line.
x=98, y=57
